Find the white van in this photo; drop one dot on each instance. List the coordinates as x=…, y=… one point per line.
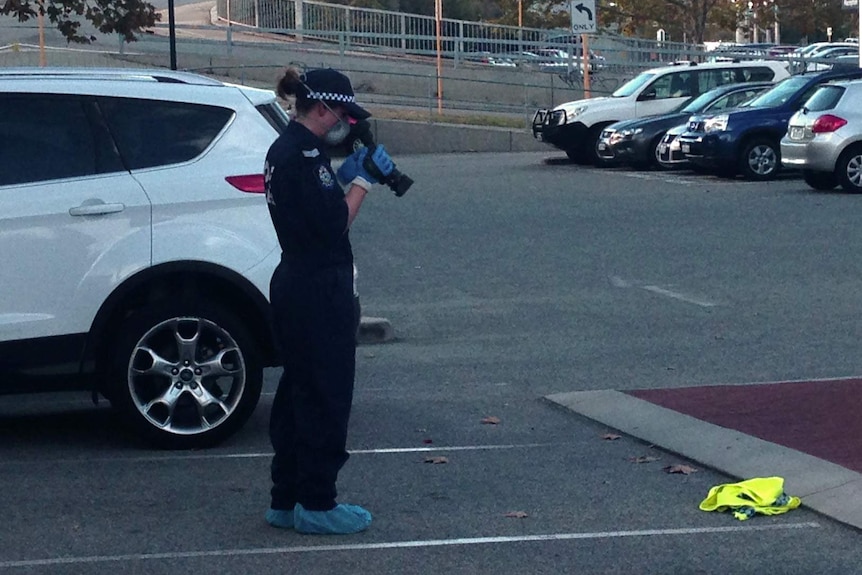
x=575, y=127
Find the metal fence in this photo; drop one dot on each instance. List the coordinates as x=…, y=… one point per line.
x=386, y=31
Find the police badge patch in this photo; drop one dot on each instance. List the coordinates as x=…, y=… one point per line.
x=325, y=176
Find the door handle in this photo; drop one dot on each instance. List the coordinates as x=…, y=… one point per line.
x=96, y=208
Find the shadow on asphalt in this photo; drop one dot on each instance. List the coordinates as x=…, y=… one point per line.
x=95, y=427
x=783, y=176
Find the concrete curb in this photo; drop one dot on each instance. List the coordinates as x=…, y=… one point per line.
x=825, y=487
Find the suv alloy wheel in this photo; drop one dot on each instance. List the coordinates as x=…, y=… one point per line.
x=185, y=374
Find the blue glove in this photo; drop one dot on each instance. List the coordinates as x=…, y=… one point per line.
x=382, y=160
x=352, y=168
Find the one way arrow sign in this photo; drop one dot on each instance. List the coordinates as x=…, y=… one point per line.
x=584, y=16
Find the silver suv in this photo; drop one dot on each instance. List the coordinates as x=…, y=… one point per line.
x=136, y=245
x=824, y=138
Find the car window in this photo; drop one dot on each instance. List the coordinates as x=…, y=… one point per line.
x=710, y=79
x=275, y=115
x=806, y=95
x=825, y=98
x=156, y=133
x=698, y=104
x=44, y=137
x=758, y=74
x=676, y=85
x=780, y=93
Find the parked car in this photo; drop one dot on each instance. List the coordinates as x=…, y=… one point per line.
x=134, y=219
x=747, y=140
x=824, y=138
x=671, y=152
x=575, y=127
x=801, y=57
x=639, y=142
x=850, y=62
x=824, y=59
x=557, y=61
x=490, y=58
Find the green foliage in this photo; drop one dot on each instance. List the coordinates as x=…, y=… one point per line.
x=124, y=17
x=691, y=19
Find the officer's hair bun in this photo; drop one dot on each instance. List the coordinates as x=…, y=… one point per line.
x=290, y=84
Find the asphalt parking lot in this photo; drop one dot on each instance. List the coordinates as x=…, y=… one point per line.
x=506, y=277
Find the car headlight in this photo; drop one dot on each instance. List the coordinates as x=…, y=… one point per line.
x=576, y=112
x=716, y=124
x=629, y=134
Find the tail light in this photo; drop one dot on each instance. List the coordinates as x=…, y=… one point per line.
x=827, y=123
x=249, y=183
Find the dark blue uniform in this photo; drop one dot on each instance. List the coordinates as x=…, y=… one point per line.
x=314, y=321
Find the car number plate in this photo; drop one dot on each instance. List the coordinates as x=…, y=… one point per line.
x=796, y=132
x=662, y=149
x=602, y=146
x=686, y=148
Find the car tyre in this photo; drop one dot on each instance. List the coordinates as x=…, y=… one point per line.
x=185, y=376
x=823, y=181
x=577, y=157
x=760, y=160
x=848, y=169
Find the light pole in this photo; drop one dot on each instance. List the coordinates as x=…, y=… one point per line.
x=777, y=25
x=438, y=16
x=520, y=13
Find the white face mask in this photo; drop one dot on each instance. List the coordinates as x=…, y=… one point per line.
x=337, y=133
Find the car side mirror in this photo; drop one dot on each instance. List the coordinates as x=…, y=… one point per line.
x=648, y=95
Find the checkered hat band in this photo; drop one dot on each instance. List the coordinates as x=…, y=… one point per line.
x=331, y=97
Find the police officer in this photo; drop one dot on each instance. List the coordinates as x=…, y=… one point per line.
x=312, y=300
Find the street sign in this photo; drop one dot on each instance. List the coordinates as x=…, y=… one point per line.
x=850, y=4
x=584, y=17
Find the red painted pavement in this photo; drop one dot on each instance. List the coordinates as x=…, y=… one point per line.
x=821, y=418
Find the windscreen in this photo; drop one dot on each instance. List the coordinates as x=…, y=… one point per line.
x=633, y=85
x=780, y=94
x=698, y=104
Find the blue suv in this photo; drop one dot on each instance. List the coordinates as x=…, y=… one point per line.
x=747, y=140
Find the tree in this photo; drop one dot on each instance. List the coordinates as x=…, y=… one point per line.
x=806, y=19
x=689, y=17
x=534, y=13
x=124, y=17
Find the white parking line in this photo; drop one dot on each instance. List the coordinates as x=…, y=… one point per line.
x=268, y=454
x=622, y=283
x=679, y=296
x=399, y=545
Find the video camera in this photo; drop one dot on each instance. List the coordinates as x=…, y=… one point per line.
x=360, y=135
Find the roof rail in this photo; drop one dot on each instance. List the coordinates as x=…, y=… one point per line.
x=130, y=74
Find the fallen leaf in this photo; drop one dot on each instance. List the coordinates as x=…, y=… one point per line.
x=427, y=441
x=436, y=460
x=491, y=420
x=516, y=514
x=611, y=436
x=643, y=459
x=684, y=469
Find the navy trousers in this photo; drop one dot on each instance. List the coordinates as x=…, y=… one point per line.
x=314, y=323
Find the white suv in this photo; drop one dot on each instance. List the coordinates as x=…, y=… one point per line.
x=576, y=127
x=136, y=247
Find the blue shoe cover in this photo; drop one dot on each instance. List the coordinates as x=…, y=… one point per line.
x=340, y=520
x=283, y=519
